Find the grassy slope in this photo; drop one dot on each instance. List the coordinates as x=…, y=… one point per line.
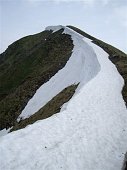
x=17, y=62
x=116, y=56
x=25, y=66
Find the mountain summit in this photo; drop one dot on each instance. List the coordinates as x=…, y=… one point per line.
x=71, y=89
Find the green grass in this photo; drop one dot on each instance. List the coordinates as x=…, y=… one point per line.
x=17, y=62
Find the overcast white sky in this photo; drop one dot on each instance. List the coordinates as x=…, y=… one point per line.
x=104, y=19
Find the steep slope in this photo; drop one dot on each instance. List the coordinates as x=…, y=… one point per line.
x=25, y=66
x=89, y=132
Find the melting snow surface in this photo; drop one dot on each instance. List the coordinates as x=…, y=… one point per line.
x=91, y=131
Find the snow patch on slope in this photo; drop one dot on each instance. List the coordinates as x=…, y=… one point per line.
x=90, y=134
x=81, y=67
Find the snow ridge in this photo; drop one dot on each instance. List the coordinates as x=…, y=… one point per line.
x=90, y=133
x=80, y=68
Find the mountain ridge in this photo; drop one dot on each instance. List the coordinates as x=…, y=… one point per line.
x=115, y=55
x=88, y=131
